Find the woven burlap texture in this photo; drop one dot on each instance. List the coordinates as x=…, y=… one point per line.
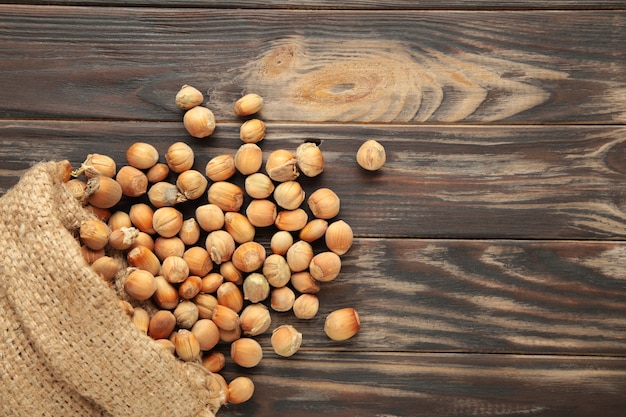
x=66, y=346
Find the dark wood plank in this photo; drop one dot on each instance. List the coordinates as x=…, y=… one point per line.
x=442, y=295
x=359, y=5
x=475, y=296
x=315, y=65
x=558, y=182
x=413, y=385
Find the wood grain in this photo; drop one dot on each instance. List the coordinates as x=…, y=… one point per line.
x=451, y=295
x=557, y=182
x=315, y=65
x=359, y=5
x=347, y=384
x=474, y=297
x=488, y=267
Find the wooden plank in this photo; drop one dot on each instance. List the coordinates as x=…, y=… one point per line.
x=507, y=296
x=531, y=182
x=413, y=385
x=475, y=296
x=359, y=5
x=315, y=65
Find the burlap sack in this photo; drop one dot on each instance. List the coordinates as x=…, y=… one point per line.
x=66, y=346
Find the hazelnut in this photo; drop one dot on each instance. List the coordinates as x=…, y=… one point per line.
x=299, y=256
x=291, y=220
x=187, y=345
x=166, y=295
x=281, y=166
x=140, y=284
x=206, y=305
x=325, y=266
x=220, y=168
x=158, y=172
x=342, y=324
x=224, y=317
x=174, y=269
x=210, y=217
x=220, y=245
x=94, y=234
x=289, y=195
x=281, y=241
x=102, y=192
x=189, y=232
x=199, y=122
x=179, y=157
x=255, y=288
x=161, y=324
x=188, y=97
x=240, y=390
x=164, y=194
x=134, y=182
x=168, y=246
x=282, y=299
x=190, y=287
x=239, y=227
x=167, y=221
x=371, y=155
x=186, y=313
x=255, y=319
x=141, y=216
x=192, y=184
x=324, y=203
x=226, y=195
x=207, y=333
x=248, y=158
x=248, y=105
x=249, y=256
x=252, y=131
x=96, y=165
x=261, y=213
x=313, y=230
x=229, y=295
x=310, y=159
x=141, y=319
x=211, y=282
x=259, y=185
x=276, y=270
x=142, y=155
x=199, y=261
x=286, y=340
x=339, y=237
x=214, y=361
x=306, y=306
x=143, y=258
x=246, y=352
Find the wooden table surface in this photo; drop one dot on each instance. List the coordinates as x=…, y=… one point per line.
x=489, y=264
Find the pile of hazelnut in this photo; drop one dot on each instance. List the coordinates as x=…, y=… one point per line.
x=199, y=281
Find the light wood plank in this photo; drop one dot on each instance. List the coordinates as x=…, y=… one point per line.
x=535, y=182
x=315, y=65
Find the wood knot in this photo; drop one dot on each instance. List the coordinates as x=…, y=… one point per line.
x=615, y=158
x=343, y=83
x=376, y=81
x=279, y=60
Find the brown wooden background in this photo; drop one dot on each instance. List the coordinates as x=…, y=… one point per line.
x=489, y=266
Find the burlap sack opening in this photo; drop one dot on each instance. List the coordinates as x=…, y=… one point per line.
x=67, y=348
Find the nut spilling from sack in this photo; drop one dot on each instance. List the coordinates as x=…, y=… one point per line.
x=197, y=281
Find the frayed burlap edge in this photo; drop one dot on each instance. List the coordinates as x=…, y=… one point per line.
x=67, y=347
